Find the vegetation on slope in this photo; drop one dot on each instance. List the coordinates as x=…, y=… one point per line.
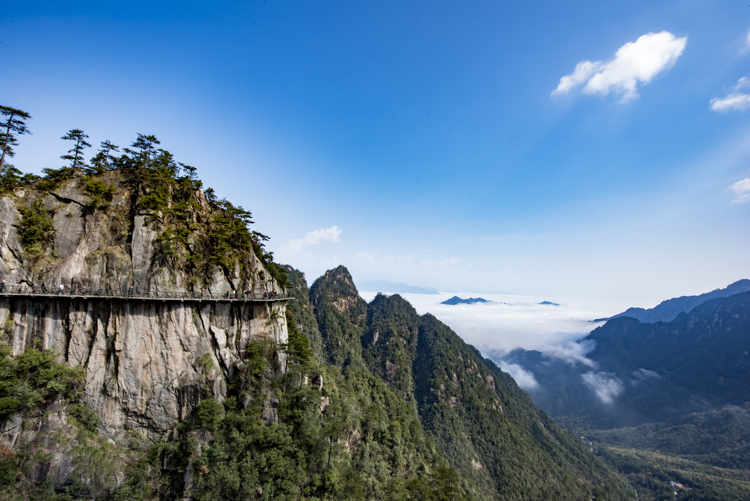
x=197, y=232
x=483, y=423
x=279, y=435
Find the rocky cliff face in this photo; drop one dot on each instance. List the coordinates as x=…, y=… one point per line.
x=147, y=360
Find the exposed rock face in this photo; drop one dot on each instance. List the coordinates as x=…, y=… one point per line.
x=109, y=249
x=147, y=361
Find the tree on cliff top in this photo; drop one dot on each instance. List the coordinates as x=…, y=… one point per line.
x=104, y=159
x=14, y=123
x=75, y=154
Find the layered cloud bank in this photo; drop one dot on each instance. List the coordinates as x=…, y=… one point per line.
x=635, y=63
x=508, y=321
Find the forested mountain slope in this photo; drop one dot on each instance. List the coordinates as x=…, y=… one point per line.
x=484, y=424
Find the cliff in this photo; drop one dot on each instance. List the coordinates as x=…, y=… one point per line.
x=147, y=362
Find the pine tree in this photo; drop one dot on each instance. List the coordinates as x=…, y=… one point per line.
x=104, y=159
x=144, y=149
x=14, y=123
x=75, y=154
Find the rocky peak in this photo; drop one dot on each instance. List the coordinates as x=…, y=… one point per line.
x=334, y=284
x=341, y=315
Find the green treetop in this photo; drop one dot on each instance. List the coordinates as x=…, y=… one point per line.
x=75, y=154
x=14, y=125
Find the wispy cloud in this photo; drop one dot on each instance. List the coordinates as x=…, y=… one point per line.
x=571, y=352
x=606, y=386
x=741, y=190
x=635, y=63
x=315, y=237
x=738, y=98
x=523, y=378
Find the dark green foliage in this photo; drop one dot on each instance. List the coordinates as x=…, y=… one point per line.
x=12, y=178
x=12, y=125
x=228, y=237
x=719, y=437
x=36, y=230
x=99, y=194
x=104, y=160
x=207, y=414
x=486, y=427
x=54, y=178
x=341, y=315
x=651, y=473
x=279, y=437
x=709, y=452
x=302, y=311
x=75, y=153
x=85, y=416
x=298, y=352
x=33, y=379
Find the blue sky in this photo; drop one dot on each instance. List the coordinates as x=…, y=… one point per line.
x=421, y=142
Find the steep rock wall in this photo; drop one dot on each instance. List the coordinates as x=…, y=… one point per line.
x=147, y=361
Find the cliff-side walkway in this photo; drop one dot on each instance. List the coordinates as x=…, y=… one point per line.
x=174, y=298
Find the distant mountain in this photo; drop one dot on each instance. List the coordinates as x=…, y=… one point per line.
x=671, y=398
x=549, y=303
x=469, y=300
x=669, y=309
x=668, y=398
x=395, y=287
x=639, y=372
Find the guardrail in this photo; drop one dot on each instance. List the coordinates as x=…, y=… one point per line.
x=26, y=289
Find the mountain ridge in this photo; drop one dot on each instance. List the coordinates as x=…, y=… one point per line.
x=669, y=309
x=465, y=403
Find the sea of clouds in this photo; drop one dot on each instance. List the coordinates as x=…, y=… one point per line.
x=508, y=321
x=511, y=321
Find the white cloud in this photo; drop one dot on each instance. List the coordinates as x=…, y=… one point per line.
x=634, y=63
x=571, y=352
x=584, y=71
x=315, y=237
x=523, y=378
x=737, y=100
x=741, y=190
x=510, y=321
x=606, y=386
